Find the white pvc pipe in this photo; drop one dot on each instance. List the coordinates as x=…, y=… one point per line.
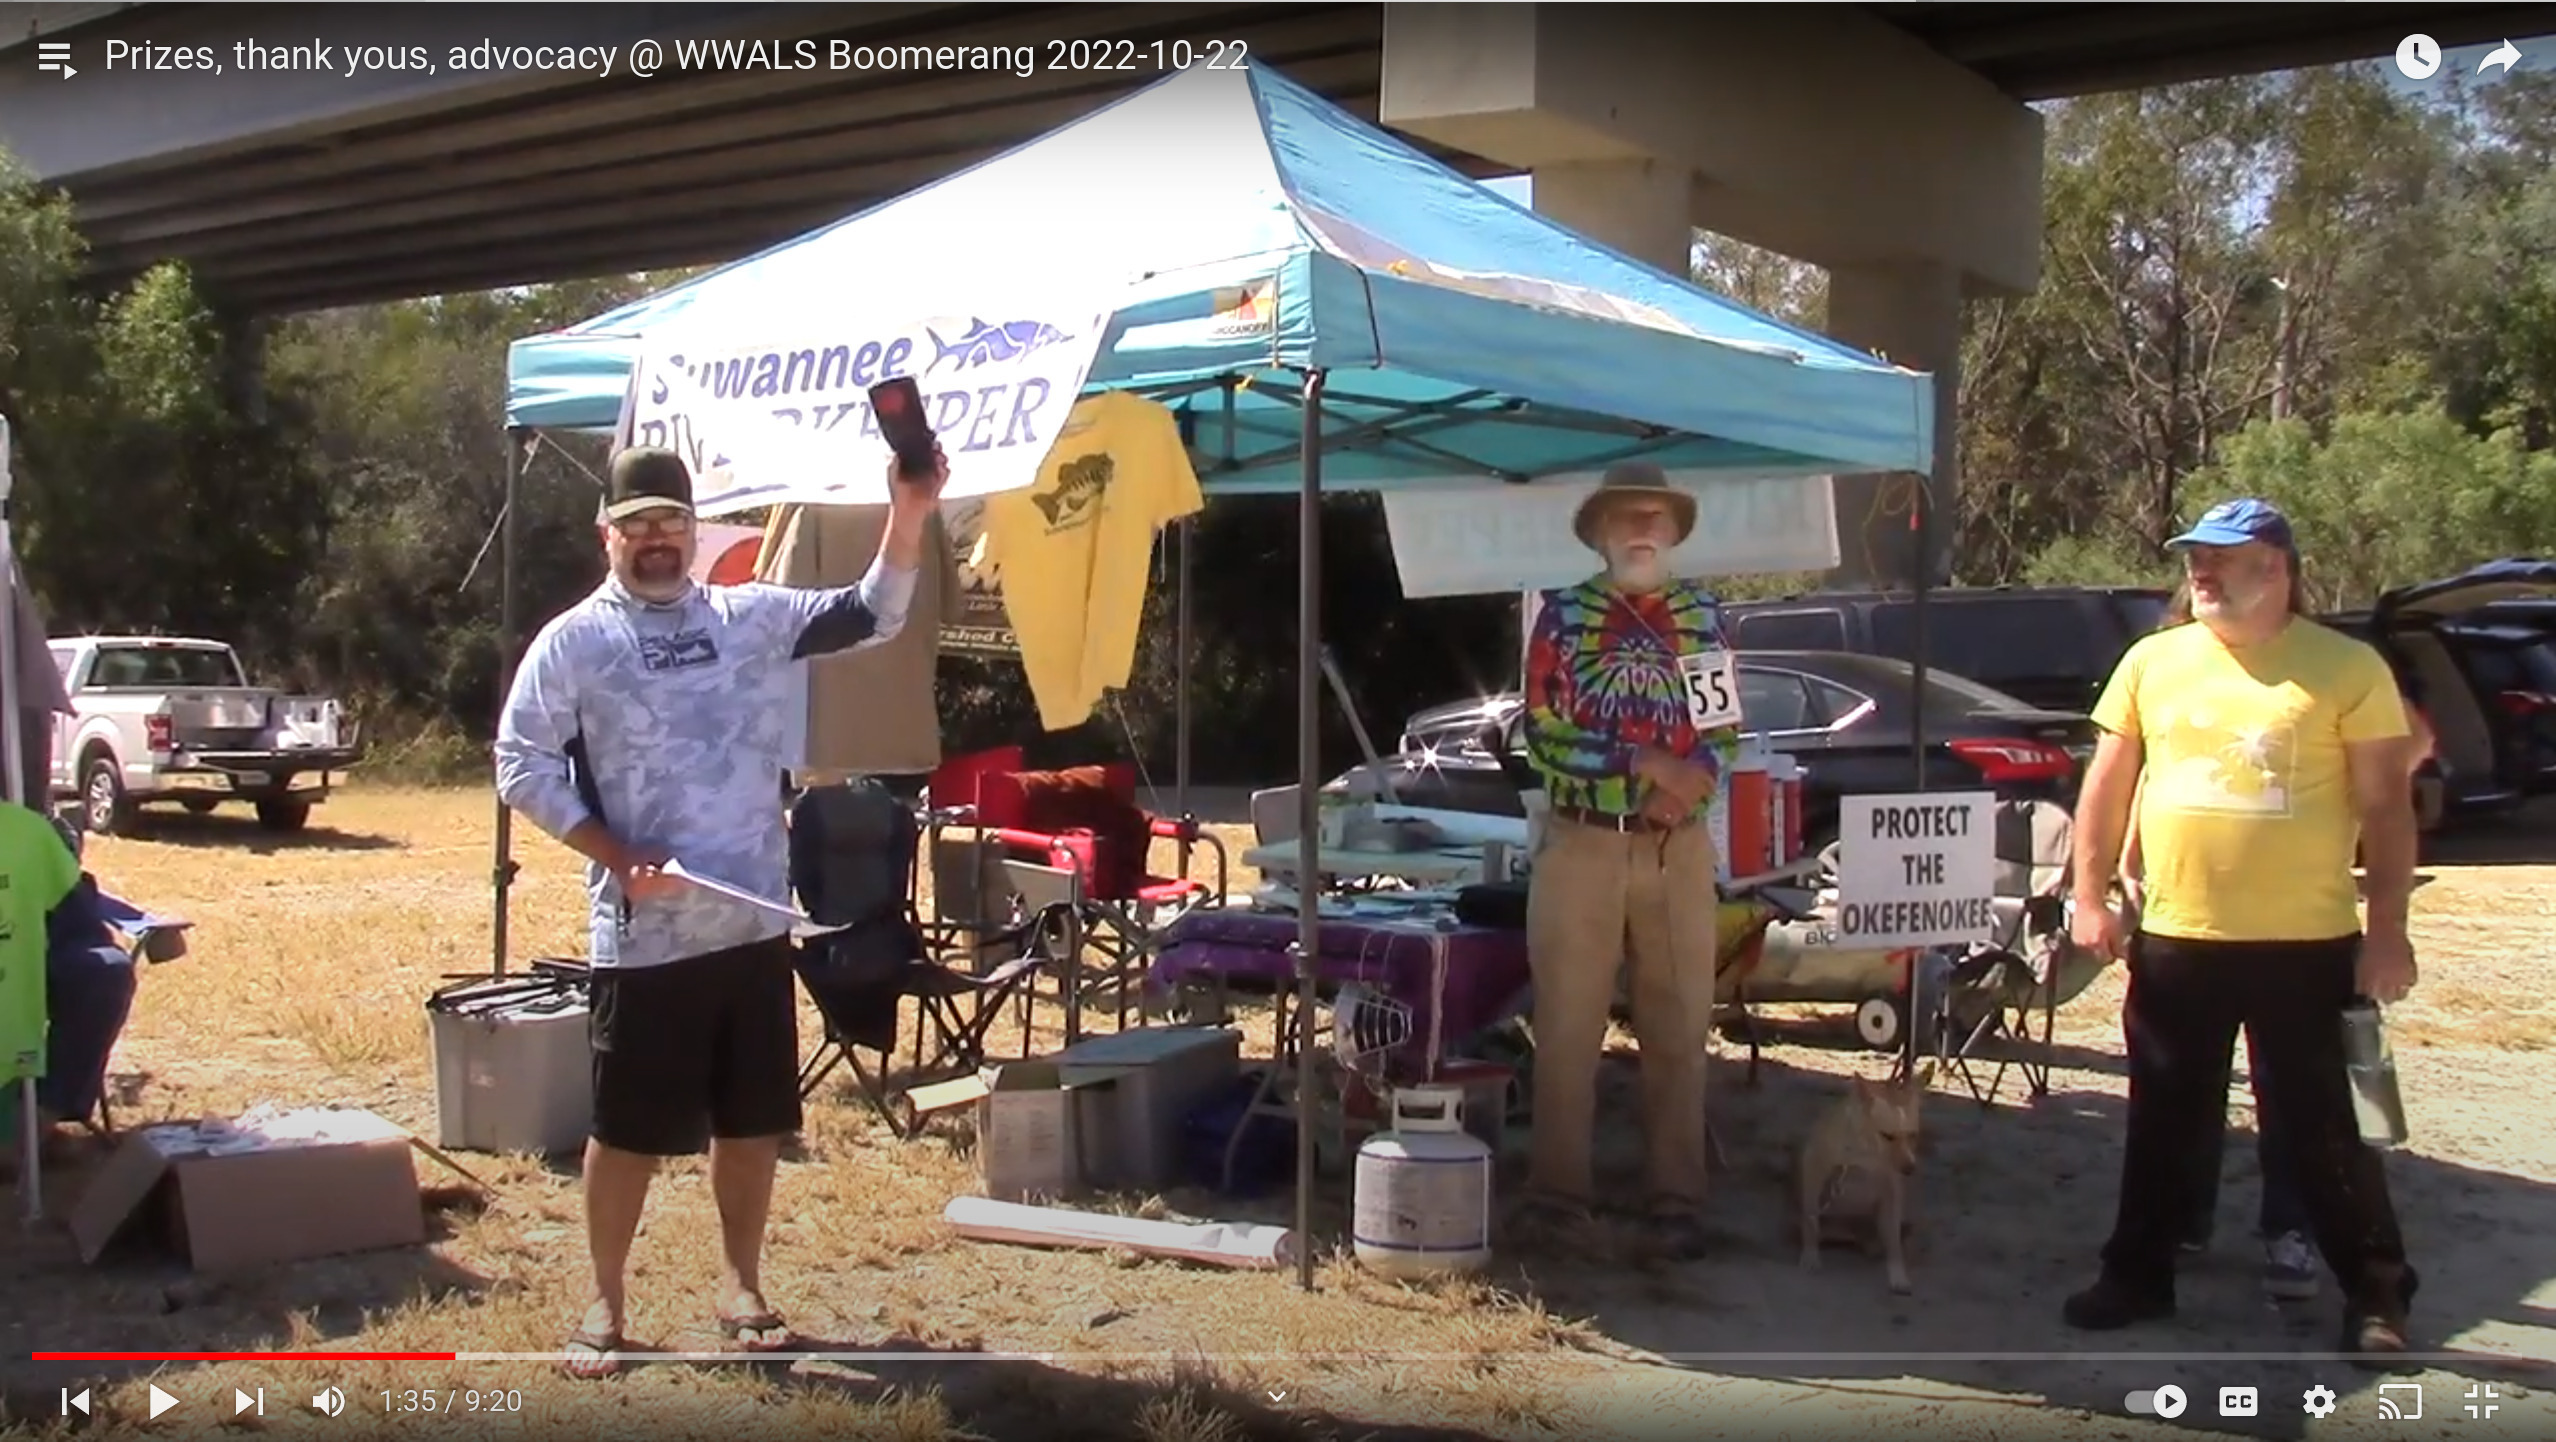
x=1222, y=1244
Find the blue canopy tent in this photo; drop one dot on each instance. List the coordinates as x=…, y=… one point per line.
x=1325, y=308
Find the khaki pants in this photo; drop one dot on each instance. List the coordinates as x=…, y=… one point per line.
x=1597, y=897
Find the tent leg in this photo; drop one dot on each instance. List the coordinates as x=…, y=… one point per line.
x=502, y=873
x=13, y=784
x=1187, y=538
x=30, y=1152
x=1308, y=807
x=1921, y=516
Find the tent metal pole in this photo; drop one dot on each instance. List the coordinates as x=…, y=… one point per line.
x=1921, y=519
x=1308, y=805
x=14, y=785
x=502, y=873
x=1187, y=539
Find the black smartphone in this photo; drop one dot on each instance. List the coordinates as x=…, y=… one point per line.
x=898, y=404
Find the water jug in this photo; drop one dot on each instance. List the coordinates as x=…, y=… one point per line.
x=2371, y=1066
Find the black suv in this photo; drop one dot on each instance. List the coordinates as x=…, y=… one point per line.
x=2050, y=646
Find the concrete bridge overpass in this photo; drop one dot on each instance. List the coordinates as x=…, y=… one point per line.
x=1891, y=142
x=289, y=190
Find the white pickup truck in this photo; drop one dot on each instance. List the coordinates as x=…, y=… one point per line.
x=167, y=718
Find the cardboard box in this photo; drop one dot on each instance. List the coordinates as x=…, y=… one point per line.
x=270, y=1187
x=1139, y=1088
x=1029, y=1132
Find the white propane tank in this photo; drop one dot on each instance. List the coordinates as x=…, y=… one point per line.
x=1423, y=1190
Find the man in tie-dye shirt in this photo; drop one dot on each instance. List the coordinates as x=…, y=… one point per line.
x=1632, y=716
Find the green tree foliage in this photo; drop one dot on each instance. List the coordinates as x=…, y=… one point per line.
x=2387, y=500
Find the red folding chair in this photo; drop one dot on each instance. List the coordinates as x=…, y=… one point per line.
x=968, y=897
x=1079, y=838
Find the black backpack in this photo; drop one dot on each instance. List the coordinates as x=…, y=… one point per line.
x=852, y=850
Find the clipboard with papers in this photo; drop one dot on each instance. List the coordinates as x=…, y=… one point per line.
x=802, y=926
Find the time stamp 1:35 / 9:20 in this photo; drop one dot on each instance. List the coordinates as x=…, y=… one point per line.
x=464, y=1400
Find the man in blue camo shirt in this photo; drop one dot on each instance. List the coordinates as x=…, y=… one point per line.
x=646, y=726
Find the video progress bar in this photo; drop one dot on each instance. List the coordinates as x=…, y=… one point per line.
x=1705, y=1359
x=2445, y=1360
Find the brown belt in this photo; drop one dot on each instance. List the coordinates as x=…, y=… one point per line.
x=1634, y=825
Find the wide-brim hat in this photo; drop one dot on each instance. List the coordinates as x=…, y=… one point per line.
x=1633, y=478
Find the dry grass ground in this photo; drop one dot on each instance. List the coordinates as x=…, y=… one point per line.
x=305, y=986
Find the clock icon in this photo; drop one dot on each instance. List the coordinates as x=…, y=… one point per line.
x=2418, y=57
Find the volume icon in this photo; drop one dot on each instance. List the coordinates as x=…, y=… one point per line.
x=328, y=1403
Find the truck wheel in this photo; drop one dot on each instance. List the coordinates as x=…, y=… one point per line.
x=103, y=804
x=283, y=815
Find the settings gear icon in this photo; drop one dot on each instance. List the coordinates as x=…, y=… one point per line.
x=2319, y=1401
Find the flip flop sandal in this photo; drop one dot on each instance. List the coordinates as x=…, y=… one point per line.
x=591, y=1356
x=739, y=1328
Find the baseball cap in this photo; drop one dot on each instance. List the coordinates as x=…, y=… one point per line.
x=2236, y=523
x=647, y=478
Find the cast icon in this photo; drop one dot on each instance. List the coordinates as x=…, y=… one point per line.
x=2400, y=1401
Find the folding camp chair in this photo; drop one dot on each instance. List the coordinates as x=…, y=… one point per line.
x=852, y=852
x=969, y=899
x=2027, y=966
x=1086, y=822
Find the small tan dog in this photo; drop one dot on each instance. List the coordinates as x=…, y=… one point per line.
x=1857, y=1167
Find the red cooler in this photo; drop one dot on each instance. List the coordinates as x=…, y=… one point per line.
x=1750, y=812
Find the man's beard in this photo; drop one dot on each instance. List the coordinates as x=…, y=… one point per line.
x=2236, y=601
x=655, y=570
x=1637, y=568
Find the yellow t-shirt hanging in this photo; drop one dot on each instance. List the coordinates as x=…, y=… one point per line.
x=1073, y=552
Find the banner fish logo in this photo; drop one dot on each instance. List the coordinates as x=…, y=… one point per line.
x=1079, y=486
x=984, y=344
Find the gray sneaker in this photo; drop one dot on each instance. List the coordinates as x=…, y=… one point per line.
x=2289, y=1268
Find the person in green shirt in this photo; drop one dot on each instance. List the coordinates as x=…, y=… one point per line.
x=37, y=870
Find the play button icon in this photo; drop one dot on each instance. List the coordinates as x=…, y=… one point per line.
x=161, y=1401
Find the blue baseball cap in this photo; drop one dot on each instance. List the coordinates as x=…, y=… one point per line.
x=2237, y=523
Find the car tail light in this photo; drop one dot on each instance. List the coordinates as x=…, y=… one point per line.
x=2004, y=760
x=159, y=733
x=2524, y=704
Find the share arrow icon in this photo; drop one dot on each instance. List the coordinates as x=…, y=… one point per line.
x=160, y=1401
x=2502, y=57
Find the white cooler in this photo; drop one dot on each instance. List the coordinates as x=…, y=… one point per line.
x=514, y=1065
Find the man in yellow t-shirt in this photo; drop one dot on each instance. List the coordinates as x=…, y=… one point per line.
x=1075, y=548
x=2260, y=750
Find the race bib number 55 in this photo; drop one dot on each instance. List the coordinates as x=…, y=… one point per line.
x=1712, y=689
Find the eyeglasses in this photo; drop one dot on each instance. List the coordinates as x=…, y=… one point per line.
x=654, y=523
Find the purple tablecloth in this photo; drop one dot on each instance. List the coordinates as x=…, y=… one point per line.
x=1457, y=981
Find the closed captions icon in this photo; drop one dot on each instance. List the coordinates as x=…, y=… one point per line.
x=2418, y=57
x=2239, y=1402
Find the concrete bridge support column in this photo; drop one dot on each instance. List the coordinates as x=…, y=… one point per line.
x=1640, y=207
x=1909, y=314
x=1814, y=131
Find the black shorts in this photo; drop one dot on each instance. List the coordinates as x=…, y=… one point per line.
x=699, y=1048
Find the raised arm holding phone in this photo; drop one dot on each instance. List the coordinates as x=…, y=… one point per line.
x=645, y=724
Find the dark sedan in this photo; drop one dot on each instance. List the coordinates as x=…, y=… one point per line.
x=1844, y=717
